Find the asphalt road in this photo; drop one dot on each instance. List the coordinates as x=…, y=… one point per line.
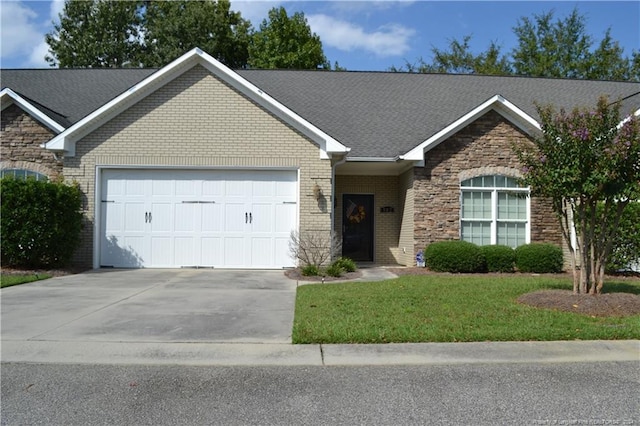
x=604, y=393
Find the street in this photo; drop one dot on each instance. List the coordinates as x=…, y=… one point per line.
x=591, y=393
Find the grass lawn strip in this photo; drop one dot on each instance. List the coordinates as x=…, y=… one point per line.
x=440, y=308
x=7, y=280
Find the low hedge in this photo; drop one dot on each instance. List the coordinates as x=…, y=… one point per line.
x=454, y=256
x=499, y=258
x=539, y=258
x=40, y=222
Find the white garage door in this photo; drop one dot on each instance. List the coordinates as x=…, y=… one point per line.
x=197, y=218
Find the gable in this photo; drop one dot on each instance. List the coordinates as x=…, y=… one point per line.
x=66, y=141
x=195, y=114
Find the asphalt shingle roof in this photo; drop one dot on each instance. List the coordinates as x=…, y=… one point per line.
x=376, y=114
x=68, y=95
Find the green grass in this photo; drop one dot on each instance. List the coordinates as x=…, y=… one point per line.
x=435, y=308
x=7, y=280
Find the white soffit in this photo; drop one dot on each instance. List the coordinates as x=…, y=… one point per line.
x=66, y=140
x=515, y=115
x=9, y=97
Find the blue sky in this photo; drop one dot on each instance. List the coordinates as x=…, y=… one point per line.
x=361, y=35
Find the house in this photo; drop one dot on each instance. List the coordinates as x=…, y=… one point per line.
x=198, y=165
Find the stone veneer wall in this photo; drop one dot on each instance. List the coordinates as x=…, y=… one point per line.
x=199, y=121
x=21, y=136
x=482, y=148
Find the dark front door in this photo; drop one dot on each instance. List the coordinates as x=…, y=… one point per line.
x=357, y=227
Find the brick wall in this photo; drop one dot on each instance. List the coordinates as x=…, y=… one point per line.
x=482, y=148
x=197, y=120
x=21, y=136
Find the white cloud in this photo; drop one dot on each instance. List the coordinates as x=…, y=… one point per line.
x=36, y=58
x=19, y=31
x=387, y=40
x=55, y=9
x=254, y=10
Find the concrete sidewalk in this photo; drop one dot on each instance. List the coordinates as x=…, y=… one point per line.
x=244, y=354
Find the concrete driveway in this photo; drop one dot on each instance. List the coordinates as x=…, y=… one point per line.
x=152, y=305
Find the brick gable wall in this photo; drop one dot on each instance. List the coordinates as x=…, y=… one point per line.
x=482, y=148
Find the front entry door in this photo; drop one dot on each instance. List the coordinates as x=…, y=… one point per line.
x=357, y=227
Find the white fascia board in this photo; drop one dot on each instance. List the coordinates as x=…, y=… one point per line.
x=498, y=103
x=328, y=145
x=8, y=97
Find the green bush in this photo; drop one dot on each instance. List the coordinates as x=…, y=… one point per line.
x=40, y=222
x=334, y=270
x=626, y=242
x=499, y=258
x=454, y=256
x=539, y=258
x=347, y=264
x=310, y=271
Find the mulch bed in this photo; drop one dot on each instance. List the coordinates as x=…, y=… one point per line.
x=295, y=274
x=601, y=305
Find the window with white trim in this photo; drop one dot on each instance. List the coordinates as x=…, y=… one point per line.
x=494, y=210
x=22, y=174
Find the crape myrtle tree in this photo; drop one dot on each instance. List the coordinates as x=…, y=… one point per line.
x=587, y=162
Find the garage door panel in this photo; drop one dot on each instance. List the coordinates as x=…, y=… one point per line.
x=186, y=217
x=114, y=217
x=284, y=217
x=212, y=251
x=135, y=188
x=281, y=252
x=161, y=217
x=261, y=218
x=212, y=219
x=162, y=252
x=235, y=253
x=186, y=251
x=236, y=217
x=134, y=217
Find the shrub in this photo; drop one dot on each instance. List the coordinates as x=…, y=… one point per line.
x=310, y=271
x=539, y=258
x=313, y=247
x=40, y=222
x=454, y=256
x=499, y=258
x=347, y=264
x=334, y=270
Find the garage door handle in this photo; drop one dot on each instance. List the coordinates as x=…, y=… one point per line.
x=146, y=217
x=246, y=217
x=250, y=218
x=149, y=217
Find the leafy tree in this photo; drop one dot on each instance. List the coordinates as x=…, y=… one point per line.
x=286, y=42
x=560, y=49
x=587, y=164
x=174, y=27
x=460, y=60
x=96, y=34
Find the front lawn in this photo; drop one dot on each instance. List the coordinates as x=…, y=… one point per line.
x=448, y=308
x=7, y=280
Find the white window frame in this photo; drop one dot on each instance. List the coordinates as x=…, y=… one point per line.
x=494, y=221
